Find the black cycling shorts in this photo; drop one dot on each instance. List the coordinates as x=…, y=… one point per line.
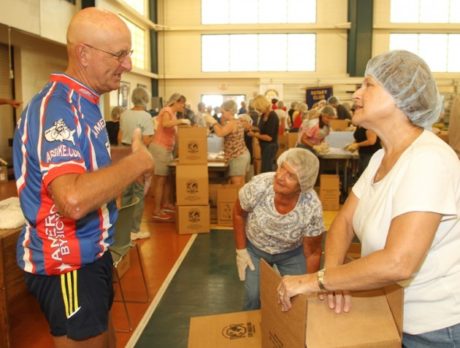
x=76, y=304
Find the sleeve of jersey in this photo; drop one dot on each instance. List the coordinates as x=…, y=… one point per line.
x=428, y=184
x=59, y=141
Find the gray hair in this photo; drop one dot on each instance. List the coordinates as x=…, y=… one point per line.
x=229, y=105
x=140, y=97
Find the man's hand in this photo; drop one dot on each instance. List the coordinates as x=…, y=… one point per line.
x=243, y=260
x=146, y=159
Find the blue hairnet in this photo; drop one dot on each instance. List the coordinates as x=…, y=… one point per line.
x=408, y=79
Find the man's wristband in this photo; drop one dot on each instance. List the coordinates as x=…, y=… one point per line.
x=320, y=279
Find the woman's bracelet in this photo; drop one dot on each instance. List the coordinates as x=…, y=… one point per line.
x=320, y=279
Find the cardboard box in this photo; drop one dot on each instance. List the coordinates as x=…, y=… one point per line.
x=339, y=125
x=193, y=219
x=192, y=186
x=236, y=330
x=292, y=139
x=192, y=145
x=330, y=199
x=329, y=182
x=213, y=194
x=226, y=198
x=374, y=321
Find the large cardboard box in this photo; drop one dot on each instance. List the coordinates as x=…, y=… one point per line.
x=226, y=198
x=339, y=125
x=329, y=182
x=292, y=139
x=193, y=219
x=192, y=186
x=330, y=199
x=213, y=194
x=329, y=192
x=235, y=330
x=374, y=321
x=192, y=145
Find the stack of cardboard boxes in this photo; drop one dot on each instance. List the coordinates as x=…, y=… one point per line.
x=192, y=188
x=329, y=191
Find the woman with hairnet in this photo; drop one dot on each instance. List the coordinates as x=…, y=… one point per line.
x=278, y=218
x=405, y=208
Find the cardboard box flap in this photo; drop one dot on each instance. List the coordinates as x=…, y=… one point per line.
x=280, y=329
x=395, y=298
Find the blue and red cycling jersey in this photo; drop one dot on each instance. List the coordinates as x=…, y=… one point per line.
x=60, y=132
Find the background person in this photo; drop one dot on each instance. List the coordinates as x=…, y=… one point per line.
x=366, y=143
x=405, y=208
x=12, y=102
x=113, y=126
x=342, y=112
x=268, y=133
x=67, y=185
x=162, y=148
x=278, y=218
x=137, y=117
x=314, y=131
x=232, y=130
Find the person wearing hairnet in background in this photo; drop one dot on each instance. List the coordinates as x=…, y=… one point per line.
x=405, y=208
x=278, y=217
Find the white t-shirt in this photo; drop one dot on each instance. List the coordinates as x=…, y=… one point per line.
x=270, y=231
x=425, y=178
x=132, y=119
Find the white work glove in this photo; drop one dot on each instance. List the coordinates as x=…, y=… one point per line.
x=243, y=260
x=210, y=121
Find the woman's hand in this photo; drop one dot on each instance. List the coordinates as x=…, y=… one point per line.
x=294, y=285
x=339, y=301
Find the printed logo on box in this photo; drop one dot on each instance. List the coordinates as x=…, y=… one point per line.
x=194, y=215
x=193, y=147
x=192, y=186
x=241, y=330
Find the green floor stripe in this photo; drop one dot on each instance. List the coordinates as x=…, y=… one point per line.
x=206, y=283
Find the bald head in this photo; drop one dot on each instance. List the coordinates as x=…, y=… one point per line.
x=99, y=49
x=93, y=25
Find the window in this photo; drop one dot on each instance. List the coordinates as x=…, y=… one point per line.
x=138, y=5
x=425, y=11
x=258, y=52
x=440, y=51
x=257, y=11
x=138, y=44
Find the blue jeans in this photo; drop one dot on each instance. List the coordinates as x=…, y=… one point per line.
x=448, y=337
x=288, y=263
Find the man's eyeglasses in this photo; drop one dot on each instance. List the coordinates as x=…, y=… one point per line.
x=120, y=56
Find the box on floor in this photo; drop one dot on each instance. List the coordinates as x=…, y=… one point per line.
x=374, y=321
x=193, y=219
x=226, y=198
